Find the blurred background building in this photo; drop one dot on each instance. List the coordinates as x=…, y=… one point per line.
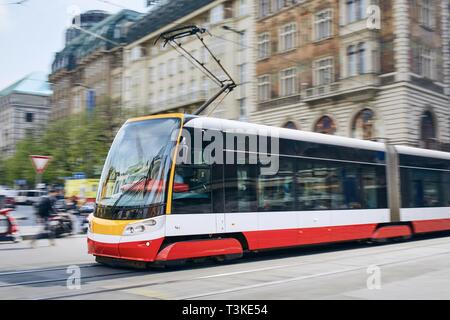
x=327, y=66
x=85, y=20
x=158, y=79
x=89, y=69
x=24, y=110
x=342, y=67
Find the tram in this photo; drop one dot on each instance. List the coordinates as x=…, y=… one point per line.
x=179, y=187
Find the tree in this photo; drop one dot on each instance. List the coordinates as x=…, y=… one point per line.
x=78, y=143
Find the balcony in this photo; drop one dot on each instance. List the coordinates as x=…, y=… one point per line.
x=354, y=88
x=279, y=102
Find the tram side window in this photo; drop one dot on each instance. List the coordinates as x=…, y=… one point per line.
x=192, y=190
x=319, y=186
x=325, y=185
x=423, y=188
x=240, y=188
x=276, y=192
x=446, y=184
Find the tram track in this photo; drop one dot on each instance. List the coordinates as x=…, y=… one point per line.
x=28, y=271
x=263, y=284
x=54, y=275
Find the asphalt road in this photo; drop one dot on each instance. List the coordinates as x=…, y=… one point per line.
x=418, y=269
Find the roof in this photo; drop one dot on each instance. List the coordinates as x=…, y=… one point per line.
x=35, y=83
x=86, y=44
x=162, y=16
x=230, y=125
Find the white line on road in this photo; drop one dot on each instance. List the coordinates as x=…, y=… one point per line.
x=271, y=283
x=317, y=275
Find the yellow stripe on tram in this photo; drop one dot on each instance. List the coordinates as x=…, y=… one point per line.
x=109, y=227
x=172, y=170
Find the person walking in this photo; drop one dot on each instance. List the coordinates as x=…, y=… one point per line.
x=45, y=210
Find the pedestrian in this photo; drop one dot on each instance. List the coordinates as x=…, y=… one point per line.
x=45, y=210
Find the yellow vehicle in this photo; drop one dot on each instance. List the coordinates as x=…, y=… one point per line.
x=83, y=189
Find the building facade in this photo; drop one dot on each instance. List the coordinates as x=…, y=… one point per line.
x=24, y=110
x=158, y=79
x=89, y=68
x=86, y=21
x=368, y=69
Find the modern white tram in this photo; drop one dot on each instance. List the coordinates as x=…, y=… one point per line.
x=177, y=187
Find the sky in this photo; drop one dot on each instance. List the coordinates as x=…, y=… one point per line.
x=31, y=33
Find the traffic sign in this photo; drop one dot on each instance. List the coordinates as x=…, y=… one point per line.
x=40, y=163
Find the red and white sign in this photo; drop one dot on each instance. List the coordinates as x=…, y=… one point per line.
x=40, y=163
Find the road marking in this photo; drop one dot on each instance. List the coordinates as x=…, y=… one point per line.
x=270, y=283
x=247, y=271
x=365, y=252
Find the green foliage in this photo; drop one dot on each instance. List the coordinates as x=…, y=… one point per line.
x=78, y=143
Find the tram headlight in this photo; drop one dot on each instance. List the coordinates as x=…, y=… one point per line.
x=138, y=227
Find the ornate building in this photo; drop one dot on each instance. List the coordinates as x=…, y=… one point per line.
x=158, y=79
x=369, y=69
x=90, y=66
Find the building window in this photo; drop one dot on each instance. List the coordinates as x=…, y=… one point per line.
x=278, y=5
x=287, y=37
x=217, y=14
x=427, y=129
x=323, y=25
x=242, y=109
x=287, y=82
x=356, y=59
x=264, y=8
x=194, y=54
x=242, y=69
x=363, y=125
x=243, y=44
x=162, y=96
x=171, y=67
x=181, y=90
x=426, y=13
x=291, y=125
x=181, y=63
x=361, y=64
x=264, y=88
x=29, y=117
x=355, y=10
x=323, y=71
x=264, y=45
x=426, y=62
x=151, y=74
x=325, y=125
x=151, y=100
x=162, y=71
x=243, y=8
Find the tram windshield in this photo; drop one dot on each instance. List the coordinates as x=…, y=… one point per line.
x=137, y=166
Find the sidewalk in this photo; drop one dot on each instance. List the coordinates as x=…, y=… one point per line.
x=28, y=232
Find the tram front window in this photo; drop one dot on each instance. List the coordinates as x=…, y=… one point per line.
x=134, y=177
